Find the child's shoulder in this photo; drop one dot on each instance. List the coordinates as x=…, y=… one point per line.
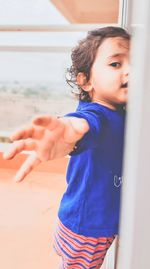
x=83, y=105
x=95, y=107
x=99, y=110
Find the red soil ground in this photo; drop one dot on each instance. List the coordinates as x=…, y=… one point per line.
x=28, y=214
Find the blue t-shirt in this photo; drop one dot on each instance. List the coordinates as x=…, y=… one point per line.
x=91, y=204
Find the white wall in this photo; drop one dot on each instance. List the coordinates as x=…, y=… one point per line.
x=135, y=221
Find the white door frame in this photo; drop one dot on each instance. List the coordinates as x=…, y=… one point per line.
x=135, y=215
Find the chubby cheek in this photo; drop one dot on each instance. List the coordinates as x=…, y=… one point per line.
x=99, y=81
x=105, y=85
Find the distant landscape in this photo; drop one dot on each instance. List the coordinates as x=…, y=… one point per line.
x=21, y=101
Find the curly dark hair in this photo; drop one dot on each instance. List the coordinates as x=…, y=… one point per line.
x=83, y=56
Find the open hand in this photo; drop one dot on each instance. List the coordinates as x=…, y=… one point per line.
x=48, y=137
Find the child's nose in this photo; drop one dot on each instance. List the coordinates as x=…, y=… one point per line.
x=126, y=69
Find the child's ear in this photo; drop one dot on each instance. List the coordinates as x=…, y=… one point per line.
x=82, y=82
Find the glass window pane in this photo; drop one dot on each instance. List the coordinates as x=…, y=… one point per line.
x=31, y=84
x=30, y=12
x=57, y=39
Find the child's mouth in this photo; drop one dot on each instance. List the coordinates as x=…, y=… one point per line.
x=125, y=85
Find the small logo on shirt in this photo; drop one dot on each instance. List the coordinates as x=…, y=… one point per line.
x=118, y=181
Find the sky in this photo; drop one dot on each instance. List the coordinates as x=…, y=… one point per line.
x=29, y=12
x=34, y=66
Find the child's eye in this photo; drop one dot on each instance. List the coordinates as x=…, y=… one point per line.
x=115, y=64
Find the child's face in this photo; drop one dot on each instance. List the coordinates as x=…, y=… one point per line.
x=108, y=82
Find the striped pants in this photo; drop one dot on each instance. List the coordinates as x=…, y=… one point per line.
x=80, y=252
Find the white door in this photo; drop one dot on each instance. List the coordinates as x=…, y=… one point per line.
x=135, y=218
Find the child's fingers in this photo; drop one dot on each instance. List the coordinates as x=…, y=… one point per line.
x=25, y=132
x=19, y=146
x=49, y=122
x=42, y=120
x=31, y=162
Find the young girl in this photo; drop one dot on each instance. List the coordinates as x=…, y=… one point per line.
x=94, y=137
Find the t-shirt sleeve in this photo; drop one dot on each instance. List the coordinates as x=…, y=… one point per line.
x=91, y=139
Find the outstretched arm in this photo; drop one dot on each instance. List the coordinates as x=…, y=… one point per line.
x=49, y=137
